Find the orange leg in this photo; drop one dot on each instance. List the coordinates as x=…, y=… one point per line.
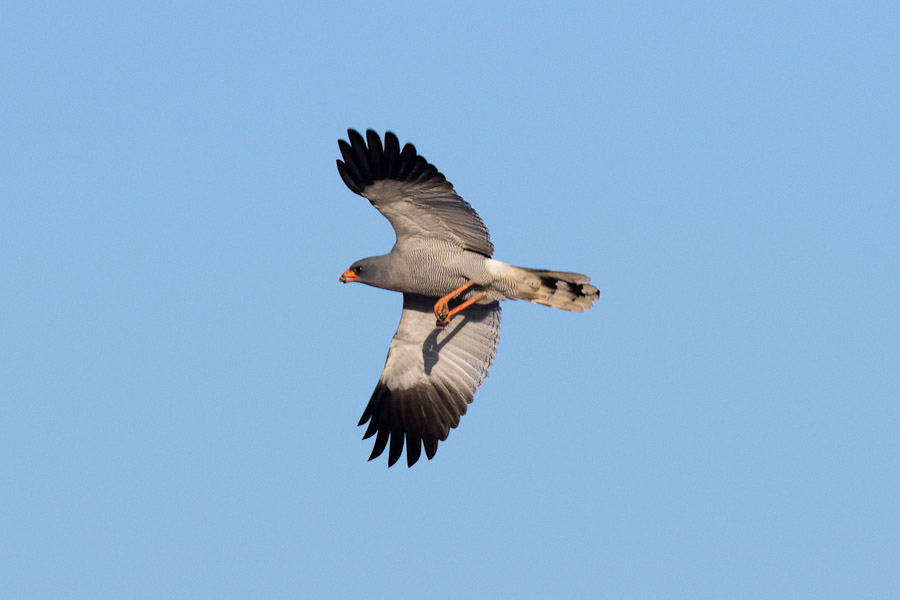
x=465, y=305
x=441, y=307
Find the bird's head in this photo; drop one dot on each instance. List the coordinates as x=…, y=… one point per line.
x=362, y=271
x=377, y=271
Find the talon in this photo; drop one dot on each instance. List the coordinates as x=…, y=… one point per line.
x=442, y=309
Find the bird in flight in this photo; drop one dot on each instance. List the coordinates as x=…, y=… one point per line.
x=452, y=288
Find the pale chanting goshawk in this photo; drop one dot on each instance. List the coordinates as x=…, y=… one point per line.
x=451, y=286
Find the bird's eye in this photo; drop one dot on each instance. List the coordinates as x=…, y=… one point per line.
x=358, y=269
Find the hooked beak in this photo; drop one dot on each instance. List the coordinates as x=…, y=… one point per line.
x=349, y=276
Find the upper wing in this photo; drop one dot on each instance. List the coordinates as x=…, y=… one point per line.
x=414, y=196
x=430, y=377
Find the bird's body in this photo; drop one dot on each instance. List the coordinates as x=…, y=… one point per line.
x=439, y=276
x=434, y=268
x=442, y=254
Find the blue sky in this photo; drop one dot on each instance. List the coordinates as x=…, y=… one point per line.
x=181, y=372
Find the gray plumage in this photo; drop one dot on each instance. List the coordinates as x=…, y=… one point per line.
x=431, y=374
x=430, y=377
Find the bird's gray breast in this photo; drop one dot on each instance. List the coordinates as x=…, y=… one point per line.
x=436, y=267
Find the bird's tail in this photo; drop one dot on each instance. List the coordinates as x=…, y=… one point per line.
x=568, y=291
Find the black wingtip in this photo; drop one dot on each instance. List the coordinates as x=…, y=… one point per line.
x=366, y=161
x=386, y=437
x=431, y=446
x=413, y=448
x=380, y=443
x=396, y=450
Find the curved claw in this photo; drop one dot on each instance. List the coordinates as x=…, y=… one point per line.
x=442, y=307
x=441, y=310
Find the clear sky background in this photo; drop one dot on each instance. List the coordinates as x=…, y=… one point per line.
x=181, y=372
